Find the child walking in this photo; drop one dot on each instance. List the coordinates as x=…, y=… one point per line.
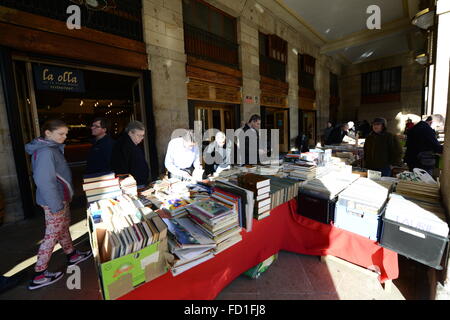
x=54, y=192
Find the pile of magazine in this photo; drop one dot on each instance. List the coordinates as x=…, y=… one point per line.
x=210, y=227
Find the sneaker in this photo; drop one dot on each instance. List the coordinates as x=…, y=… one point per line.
x=44, y=279
x=79, y=256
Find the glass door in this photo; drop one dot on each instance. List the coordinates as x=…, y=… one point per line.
x=212, y=116
x=26, y=103
x=277, y=118
x=281, y=123
x=307, y=125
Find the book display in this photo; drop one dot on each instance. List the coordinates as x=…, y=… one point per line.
x=177, y=226
x=101, y=186
x=125, y=233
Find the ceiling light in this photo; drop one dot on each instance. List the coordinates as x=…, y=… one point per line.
x=424, y=19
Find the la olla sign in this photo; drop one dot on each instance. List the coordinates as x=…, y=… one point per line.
x=51, y=78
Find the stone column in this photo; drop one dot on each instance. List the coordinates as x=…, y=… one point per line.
x=322, y=85
x=442, y=58
x=164, y=38
x=292, y=79
x=248, y=39
x=9, y=185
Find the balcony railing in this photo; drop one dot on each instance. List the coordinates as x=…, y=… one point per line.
x=271, y=68
x=119, y=17
x=205, y=45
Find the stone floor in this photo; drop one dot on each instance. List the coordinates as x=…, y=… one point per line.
x=291, y=277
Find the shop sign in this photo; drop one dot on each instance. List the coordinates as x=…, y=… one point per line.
x=52, y=78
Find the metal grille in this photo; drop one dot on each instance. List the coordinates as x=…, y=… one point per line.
x=120, y=17
x=202, y=44
x=272, y=68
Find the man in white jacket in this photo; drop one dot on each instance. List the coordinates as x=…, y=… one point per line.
x=183, y=157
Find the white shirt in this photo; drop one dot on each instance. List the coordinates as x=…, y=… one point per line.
x=178, y=157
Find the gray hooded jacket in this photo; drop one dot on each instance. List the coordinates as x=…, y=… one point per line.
x=51, y=174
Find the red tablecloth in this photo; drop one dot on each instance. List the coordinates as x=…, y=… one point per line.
x=285, y=230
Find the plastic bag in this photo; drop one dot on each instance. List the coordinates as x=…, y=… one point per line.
x=260, y=268
x=418, y=175
x=424, y=176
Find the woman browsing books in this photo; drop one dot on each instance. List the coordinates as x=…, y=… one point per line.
x=54, y=192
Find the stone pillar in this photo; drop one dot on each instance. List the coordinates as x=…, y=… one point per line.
x=9, y=185
x=322, y=86
x=442, y=59
x=164, y=38
x=292, y=79
x=248, y=39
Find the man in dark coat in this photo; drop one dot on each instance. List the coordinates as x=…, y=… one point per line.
x=337, y=135
x=248, y=137
x=381, y=149
x=421, y=144
x=99, y=158
x=128, y=157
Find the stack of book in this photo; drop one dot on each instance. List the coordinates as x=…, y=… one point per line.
x=260, y=185
x=128, y=228
x=300, y=170
x=101, y=186
x=292, y=156
x=189, y=244
x=269, y=170
x=218, y=218
x=282, y=190
x=176, y=207
x=229, y=172
x=245, y=198
x=128, y=184
x=419, y=190
x=200, y=190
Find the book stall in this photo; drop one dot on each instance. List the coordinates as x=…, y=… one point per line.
x=189, y=240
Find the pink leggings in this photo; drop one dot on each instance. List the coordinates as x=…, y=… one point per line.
x=56, y=231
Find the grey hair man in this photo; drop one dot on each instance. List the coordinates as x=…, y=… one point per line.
x=128, y=156
x=183, y=156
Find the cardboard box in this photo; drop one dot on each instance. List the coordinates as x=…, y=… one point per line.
x=119, y=276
